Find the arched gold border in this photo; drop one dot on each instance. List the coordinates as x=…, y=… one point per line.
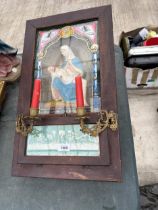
x=67, y=32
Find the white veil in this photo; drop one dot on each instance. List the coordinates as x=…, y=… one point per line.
x=69, y=53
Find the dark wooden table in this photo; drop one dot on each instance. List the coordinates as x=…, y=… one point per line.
x=18, y=193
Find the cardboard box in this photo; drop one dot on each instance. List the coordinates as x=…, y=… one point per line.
x=136, y=78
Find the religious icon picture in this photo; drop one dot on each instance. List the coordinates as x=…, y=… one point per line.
x=63, y=54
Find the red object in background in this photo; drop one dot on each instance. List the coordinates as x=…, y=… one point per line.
x=36, y=94
x=79, y=92
x=151, y=41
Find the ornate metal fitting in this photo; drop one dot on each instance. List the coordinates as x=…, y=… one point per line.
x=106, y=120
x=24, y=124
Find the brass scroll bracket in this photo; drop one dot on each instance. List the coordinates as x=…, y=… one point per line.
x=24, y=124
x=106, y=120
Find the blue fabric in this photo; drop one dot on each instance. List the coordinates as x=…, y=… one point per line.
x=67, y=91
x=76, y=62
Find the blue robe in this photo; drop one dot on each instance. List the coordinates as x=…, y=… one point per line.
x=67, y=91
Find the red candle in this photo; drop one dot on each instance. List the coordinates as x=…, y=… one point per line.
x=36, y=94
x=79, y=92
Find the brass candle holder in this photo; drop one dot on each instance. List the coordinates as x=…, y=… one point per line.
x=80, y=111
x=33, y=112
x=106, y=120
x=24, y=124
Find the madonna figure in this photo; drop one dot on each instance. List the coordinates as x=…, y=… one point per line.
x=63, y=78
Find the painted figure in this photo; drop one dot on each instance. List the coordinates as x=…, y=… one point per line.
x=63, y=78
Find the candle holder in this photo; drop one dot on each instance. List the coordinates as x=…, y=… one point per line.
x=80, y=111
x=106, y=120
x=24, y=124
x=33, y=112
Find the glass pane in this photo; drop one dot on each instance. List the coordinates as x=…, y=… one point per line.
x=61, y=140
x=61, y=55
